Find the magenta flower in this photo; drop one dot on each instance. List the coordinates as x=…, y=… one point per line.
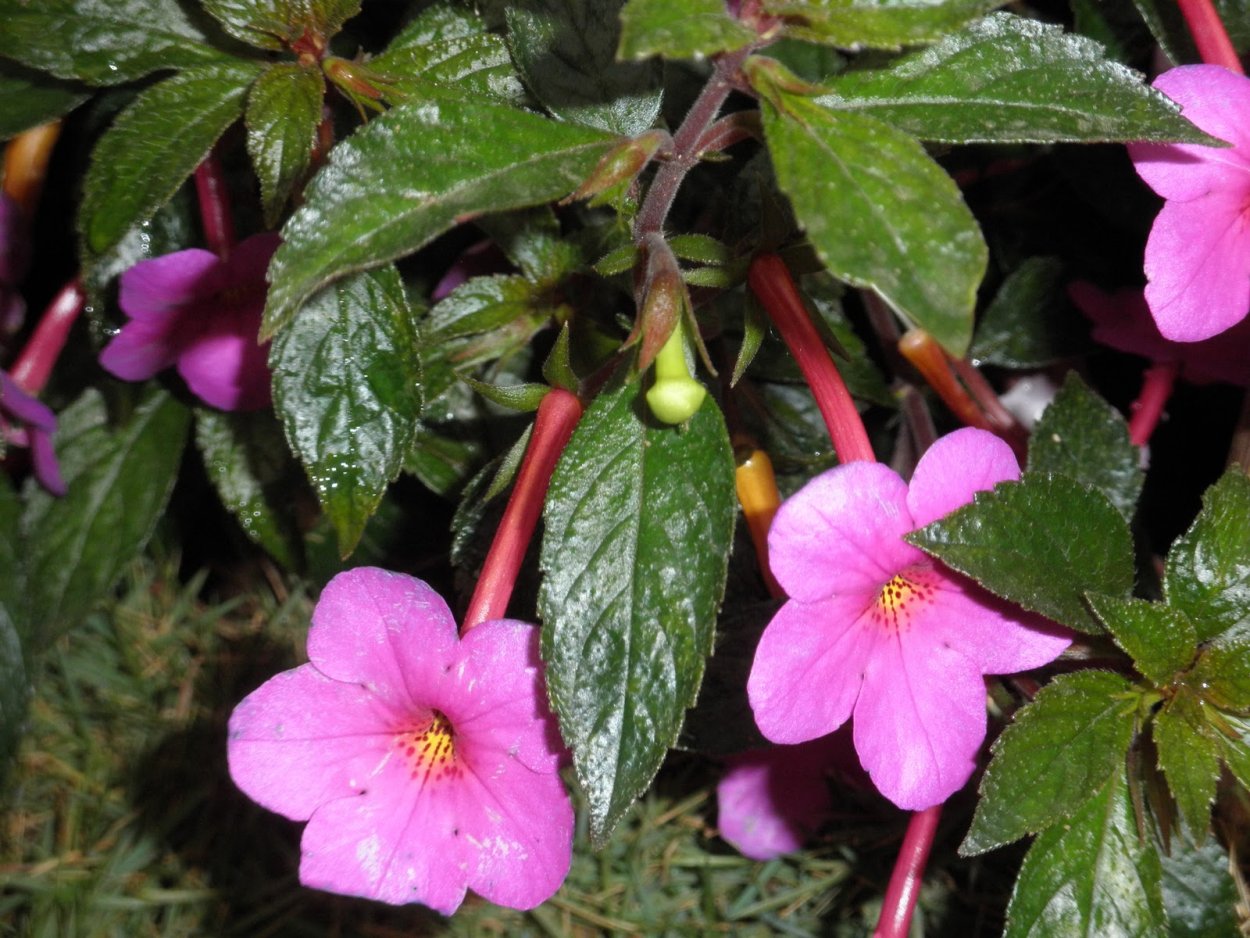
x=424, y=763
x=1198, y=254
x=877, y=628
x=201, y=313
x=1121, y=321
x=26, y=422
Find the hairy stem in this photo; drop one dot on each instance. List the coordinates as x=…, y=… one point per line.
x=214, y=196
x=1147, y=410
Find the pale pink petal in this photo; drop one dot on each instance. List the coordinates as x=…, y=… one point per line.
x=227, y=370
x=389, y=632
x=808, y=667
x=919, y=720
x=1198, y=267
x=842, y=532
x=997, y=637
x=301, y=739
x=954, y=469
x=144, y=346
x=502, y=703
x=161, y=286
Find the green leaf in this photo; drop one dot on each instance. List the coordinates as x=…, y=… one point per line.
x=520, y=397
x=28, y=99
x=639, y=523
x=411, y=174
x=1208, y=568
x=14, y=690
x=566, y=51
x=103, y=42
x=347, y=384
x=1190, y=759
x=1007, y=79
x=283, y=111
x=534, y=242
x=1092, y=876
x=506, y=306
x=275, y=24
x=12, y=561
x=1059, y=751
x=1198, y=892
x=452, y=48
x=679, y=29
x=154, y=145
x=119, y=479
x=1234, y=738
x=1043, y=542
x=1031, y=322
x=1222, y=671
x=250, y=467
x=875, y=24
x=1083, y=437
x=880, y=212
x=1160, y=640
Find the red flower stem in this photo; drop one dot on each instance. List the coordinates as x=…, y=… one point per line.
x=214, y=195
x=1209, y=34
x=904, y=888
x=771, y=282
x=26, y=165
x=1147, y=410
x=33, y=366
x=557, y=416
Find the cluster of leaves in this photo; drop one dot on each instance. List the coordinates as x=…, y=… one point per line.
x=489, y=116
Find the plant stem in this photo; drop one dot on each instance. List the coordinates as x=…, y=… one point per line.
x=214, y=196
x=904, y=888
x=756, y=485
x=26, y=165
x=1209, y=34
x=1239, y=451
x=1147, y=410
x=34, y=365
x=771, y=282
x=557, y=416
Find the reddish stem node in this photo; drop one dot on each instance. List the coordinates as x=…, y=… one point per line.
x=1147, y=410
x=214, y=196
x=1209, y=34
x=771, y=282
x=34, y=365
x=557, y=416
x=905, y=881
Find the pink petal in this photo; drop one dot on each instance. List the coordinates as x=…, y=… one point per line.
x=919, y=720
x=1198, y=267
x=159, y=287
x=226, y=370
x=143, y=347
x=808, y=667
x=302, y=739
x=248, y=263
x=43, y=458
x=954, y=469
x=502, y=703
x=388, y=632
x=24, y=407
x=842, y=533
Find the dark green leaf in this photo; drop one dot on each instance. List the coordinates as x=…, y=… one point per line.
x=1167, y=25
x=507, y=307
x=1008, y=79
x=880, y=213
x=1031, y=322
x=1233, y=735
x=1091, y=877
x=1083, y=437
x=28, y=99
x=1160, y=640
x=12, y=561
x=679, y=29
x=347, y=384
x=248, y=463
x=103, y=42
x=532, y=241
x=14, y=689
x=1222, y=672
x=1190, y=759
x=1043, y=542
x=522, y=397
x=639, y=522
x=701, y=249
x=1208, y=567
x=283, y=111
x=119, y=479
x=275, y=24
x=411, y=174
x=558, y=368
x=154, y=145
x=1198, y=892
x=877, y=24
x=449, y=47
x=566, y=50
x=1059, y=751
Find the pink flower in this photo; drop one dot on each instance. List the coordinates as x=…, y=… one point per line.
x=1122, y=321
x=424, y=763
x=199, y=312
x=877, y=628
x=1198, y=254
x=16, y=408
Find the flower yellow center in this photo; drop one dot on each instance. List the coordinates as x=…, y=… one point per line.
x=430, y=752
x=899, y=599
